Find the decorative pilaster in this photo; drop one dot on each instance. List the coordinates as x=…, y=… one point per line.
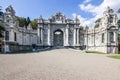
x=38, y=34
x=41, y=33
x=115, y=37
x=67, y=35
x=107, y=38
x=74, y=37
x=49, y=42
x=77, y=36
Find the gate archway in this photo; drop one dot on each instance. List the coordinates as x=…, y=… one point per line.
x=58, y=38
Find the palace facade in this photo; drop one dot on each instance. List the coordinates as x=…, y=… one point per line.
x=15, y=37
x=60, y=31
x=105, y=37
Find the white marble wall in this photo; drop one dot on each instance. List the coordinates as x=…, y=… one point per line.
x=94, y=36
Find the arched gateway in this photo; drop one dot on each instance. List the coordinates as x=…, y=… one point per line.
x=59, y=31
x=58, y=38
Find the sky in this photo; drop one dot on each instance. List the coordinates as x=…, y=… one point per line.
x=86, y=10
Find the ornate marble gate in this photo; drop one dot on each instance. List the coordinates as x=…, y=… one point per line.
x=58, y=30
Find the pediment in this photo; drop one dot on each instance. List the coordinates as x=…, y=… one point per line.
x=58, y=17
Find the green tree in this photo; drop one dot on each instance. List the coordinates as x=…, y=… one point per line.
x=34, y=24
x=118, y=22
x=1, y=13
x=25, y=23
x=98, y=20
x=28, y=21
x=97, y=23
x=2, y=29
x=119, y=19
x=22, y=21
x=96, y=26
x=118, y=37
x=118, y=10
x=81, y=27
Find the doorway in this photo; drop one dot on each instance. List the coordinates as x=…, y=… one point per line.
x=58, y=38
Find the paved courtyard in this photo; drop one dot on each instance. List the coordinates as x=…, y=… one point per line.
x=58, y=64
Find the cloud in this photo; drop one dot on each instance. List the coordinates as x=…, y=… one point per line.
x=87, y=8
x=83, y=21
x=97, y=11
x=87, y=1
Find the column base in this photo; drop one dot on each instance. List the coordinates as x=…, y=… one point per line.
x=76, y=47
x=66, y=47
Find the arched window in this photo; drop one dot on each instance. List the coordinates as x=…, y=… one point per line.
x=7, y=35
x=15, y=37
x=111, y=19
x=103, y=38
x=111, y=37
x=7, y=21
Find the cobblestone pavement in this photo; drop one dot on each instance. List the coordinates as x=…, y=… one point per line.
x=58, y=64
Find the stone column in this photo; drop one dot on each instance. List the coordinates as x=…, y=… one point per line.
x=78, y=37
x=116, y=41
x=4, y=42
x=115, y=36
x=41, y=33
x=74, y=37
x=38, y=34
x=108, y=37
x=67, y=35
x=49, y=42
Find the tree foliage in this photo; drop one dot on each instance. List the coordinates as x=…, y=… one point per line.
x=119, y=36
x=98, y=20
x=1, y=13
x=96, y=26
x=81, y=27
x=23, y=21
x=118, y=10
x=2, y=29
x=28, y=21
x=34, y=24
x=118, y=23
x=97, y=23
